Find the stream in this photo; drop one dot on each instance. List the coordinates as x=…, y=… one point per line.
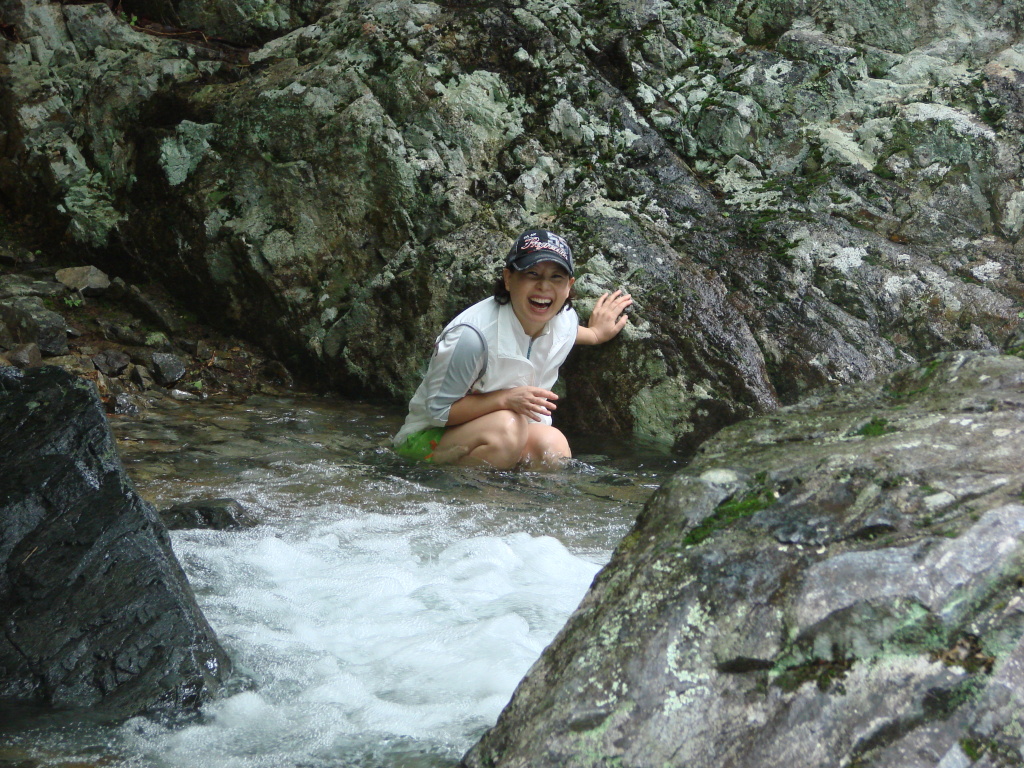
x=381, y=613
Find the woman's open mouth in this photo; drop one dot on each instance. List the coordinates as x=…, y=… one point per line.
x=540, y=303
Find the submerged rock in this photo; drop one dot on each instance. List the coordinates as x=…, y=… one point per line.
x=125, y=404
x=834, y=584
x=95, y=609
x=216, y=514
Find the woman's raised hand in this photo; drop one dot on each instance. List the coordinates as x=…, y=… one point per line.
x=608, y=316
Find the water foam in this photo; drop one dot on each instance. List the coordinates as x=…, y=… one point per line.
x=363, y=629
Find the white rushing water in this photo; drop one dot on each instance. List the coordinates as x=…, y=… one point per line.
x=380, y=614
x=363, y=630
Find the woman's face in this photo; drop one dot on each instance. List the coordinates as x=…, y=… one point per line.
x=538, y=293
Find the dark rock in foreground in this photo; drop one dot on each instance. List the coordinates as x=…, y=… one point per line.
x=835, y=584
x=96, y=611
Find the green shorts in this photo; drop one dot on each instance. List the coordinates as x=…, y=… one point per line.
x=420, y=445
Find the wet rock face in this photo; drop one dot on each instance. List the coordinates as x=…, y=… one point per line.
x=249, y=22
x=839, y=581
x=96, y=611
x=167, y=368
x=797, y=197
x=26, y=321
x=215, y=514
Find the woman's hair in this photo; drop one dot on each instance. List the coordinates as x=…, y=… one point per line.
x=502, y=296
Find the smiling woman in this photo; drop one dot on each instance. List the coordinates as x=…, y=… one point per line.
x=486, y=398
x=537, y=293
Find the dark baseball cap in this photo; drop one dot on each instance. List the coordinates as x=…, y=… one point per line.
x=537, y=245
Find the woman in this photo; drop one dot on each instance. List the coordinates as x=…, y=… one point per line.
x=486, y=398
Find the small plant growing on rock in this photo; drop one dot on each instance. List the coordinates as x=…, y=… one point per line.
x=875, y=428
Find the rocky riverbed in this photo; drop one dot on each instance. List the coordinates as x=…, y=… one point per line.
x=377, y=612
x=133, y=342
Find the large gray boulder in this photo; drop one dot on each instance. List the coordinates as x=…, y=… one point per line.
x=95, y=610
x=798, y=195
x=835, y=584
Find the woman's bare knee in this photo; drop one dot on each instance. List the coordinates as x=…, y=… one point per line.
x=546, y=448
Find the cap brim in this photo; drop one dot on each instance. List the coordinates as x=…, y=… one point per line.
x=527, y=261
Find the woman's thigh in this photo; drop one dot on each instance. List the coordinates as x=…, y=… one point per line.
x=496, y=438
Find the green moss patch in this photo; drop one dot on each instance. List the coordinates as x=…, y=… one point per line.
x=998, y=753
x=728, y=512
x=875, y=428
x=825, y=674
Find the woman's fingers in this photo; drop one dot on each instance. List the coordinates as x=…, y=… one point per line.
x=532, y=402
x=620, y=300
x=544, y=401
x=609, y=314
x=614, y=302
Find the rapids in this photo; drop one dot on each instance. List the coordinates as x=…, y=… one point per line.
x=381, y=613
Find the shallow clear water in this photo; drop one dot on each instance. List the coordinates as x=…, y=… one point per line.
x=381, y=612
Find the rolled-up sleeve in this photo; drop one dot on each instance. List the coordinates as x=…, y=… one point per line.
x=454, y=369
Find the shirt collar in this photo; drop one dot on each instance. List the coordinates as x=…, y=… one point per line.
x=515, y=328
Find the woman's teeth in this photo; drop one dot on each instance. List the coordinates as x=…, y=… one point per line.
x=541, y=302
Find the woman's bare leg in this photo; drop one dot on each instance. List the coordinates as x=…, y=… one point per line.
x=495, y=439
